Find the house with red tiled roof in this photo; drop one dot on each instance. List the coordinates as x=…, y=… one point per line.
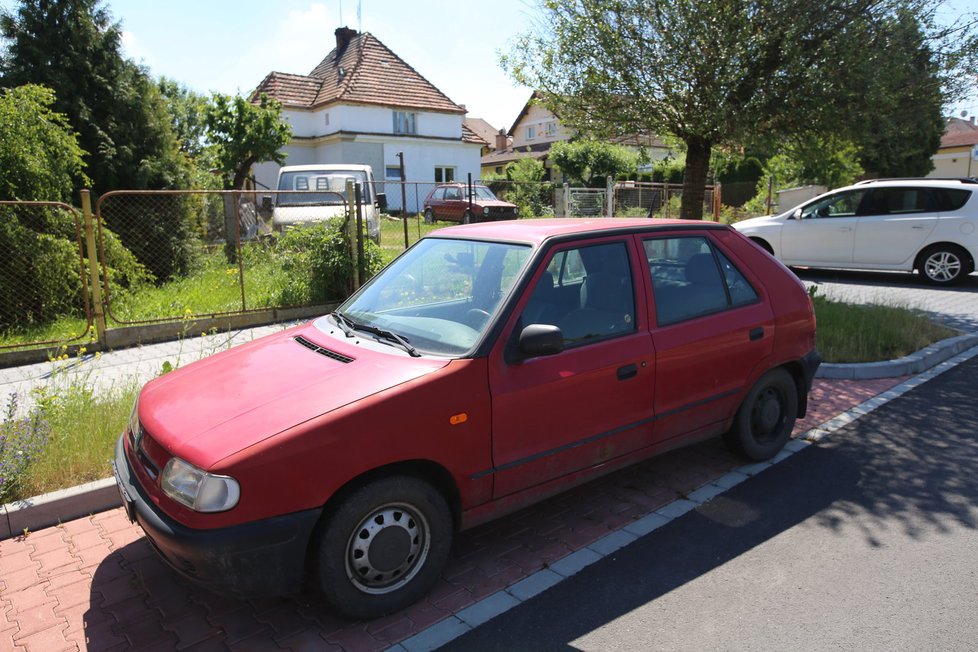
x=537, y=128
x=363, y=104
x=957, y=155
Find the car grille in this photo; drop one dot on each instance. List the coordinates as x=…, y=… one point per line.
x=500, y=212
x=312, y=346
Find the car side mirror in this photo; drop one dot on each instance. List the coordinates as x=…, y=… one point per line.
x=540, y=339
x=796, y=215
x=382, y=201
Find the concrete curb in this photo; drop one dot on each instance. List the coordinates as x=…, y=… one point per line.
x=914, y=363
x=59, y=506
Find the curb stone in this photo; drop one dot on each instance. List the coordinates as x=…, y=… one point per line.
x=59, y=506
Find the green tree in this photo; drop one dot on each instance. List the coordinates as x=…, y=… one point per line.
x=526, y=187
x=244, y=133
x=39, y=154
x=73, y=47
x=715, y=72
x=187, y=110
x=590, y=162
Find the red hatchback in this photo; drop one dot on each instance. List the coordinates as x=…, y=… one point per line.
x=453, y=202
x=347, y=451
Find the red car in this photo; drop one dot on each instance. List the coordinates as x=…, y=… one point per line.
x=452, y=202
x=488, y=367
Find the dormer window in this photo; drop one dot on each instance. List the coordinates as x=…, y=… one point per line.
x=531, y=132
x=405, y=122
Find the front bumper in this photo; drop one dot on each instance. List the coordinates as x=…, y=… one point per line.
x=258, y=559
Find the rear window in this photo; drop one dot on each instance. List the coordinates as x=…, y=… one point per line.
x=951, y=199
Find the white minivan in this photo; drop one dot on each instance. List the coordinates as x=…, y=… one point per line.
x=317, y=192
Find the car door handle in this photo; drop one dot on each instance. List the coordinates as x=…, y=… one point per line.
x=917, y=227
x=628, y=371
x=756, y=333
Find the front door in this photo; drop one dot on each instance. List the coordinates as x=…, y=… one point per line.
x=824, y=231
x=558, y=414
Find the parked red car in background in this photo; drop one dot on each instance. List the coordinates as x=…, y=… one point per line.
x=452, y=202
x=488, y=367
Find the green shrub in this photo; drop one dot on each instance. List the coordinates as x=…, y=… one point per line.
x=319, y=264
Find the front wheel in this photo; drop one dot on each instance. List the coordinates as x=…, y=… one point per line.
x=944, y=265
x=429, y=216
x=383, y=546
x=766, y=418
x=467, y=217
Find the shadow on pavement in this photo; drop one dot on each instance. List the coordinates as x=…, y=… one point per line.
x=907, y=471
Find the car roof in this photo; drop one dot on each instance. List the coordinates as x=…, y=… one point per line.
x=917, y=181
x=538, y=231
x=326, y=167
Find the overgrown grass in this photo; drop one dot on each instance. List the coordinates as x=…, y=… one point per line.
x=870, y=333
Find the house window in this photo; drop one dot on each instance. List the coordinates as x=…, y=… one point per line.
x=326, y=119
x=444, y=174
x=392, y=172
x=551, y=129
x=531, y=132
x=405, y=122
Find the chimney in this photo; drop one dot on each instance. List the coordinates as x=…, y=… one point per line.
x=501, y=140
x=343, y=37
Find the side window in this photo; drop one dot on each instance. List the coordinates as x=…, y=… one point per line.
x=843, y=204
x=691, y=278
x=453, y=194
x=950, y=199
x=587, y=292
x=897, y=201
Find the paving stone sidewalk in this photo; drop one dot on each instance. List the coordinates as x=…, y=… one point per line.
x=95, y=584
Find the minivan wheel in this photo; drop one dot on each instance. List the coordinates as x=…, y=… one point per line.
x=383, y=546
x=766, y=418
x=944, y=265
x=429, y=216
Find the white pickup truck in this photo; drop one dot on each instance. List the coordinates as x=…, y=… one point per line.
x=316, y=193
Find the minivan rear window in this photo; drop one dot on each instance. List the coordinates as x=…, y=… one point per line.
x=951, y=199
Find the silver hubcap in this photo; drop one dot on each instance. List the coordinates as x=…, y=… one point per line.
x=387, y=549
x=942, y=266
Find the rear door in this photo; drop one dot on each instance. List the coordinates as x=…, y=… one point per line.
x=893, y=225
x=713, y=329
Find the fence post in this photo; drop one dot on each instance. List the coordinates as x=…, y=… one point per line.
x=98, y=310
x=610, y=193
x=565, y=200
x=351, y=232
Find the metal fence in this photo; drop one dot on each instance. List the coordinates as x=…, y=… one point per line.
x=183, y=256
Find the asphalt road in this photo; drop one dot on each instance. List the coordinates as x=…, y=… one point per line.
x=865, y=541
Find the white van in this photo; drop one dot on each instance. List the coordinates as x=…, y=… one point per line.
x=323, y=188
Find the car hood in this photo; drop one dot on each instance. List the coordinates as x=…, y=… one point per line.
x=766, y=221
x=225, y=403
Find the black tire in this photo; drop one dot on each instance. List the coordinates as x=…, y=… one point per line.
x=766, y=417
x=467, y=217
x=944, y=264
x=383, y=547
x=429, y=216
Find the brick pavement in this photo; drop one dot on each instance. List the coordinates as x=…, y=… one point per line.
x=95, y=584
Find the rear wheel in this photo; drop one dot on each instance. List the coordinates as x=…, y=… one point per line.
x=766, y=418
x=944, y=264
x=383, y=547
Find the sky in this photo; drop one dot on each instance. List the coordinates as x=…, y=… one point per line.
x=230, y=45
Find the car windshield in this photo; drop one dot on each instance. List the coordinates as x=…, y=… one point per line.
x=481, y=192
x=441, y=294
x=330, y=184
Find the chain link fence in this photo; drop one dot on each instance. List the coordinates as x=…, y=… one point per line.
x=44, y=278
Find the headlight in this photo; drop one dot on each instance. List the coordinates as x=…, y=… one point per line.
x=485, y=211
x=197, y=489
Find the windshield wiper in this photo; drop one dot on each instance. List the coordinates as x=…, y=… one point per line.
x=348, y=325
x=345, y=323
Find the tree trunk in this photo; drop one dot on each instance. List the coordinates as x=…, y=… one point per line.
x=694, y=180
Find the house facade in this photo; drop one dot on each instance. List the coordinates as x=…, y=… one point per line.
x=537, y=128
x=364, y=105
x=957, y=155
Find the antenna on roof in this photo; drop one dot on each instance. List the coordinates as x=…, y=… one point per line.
x=359, y=26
